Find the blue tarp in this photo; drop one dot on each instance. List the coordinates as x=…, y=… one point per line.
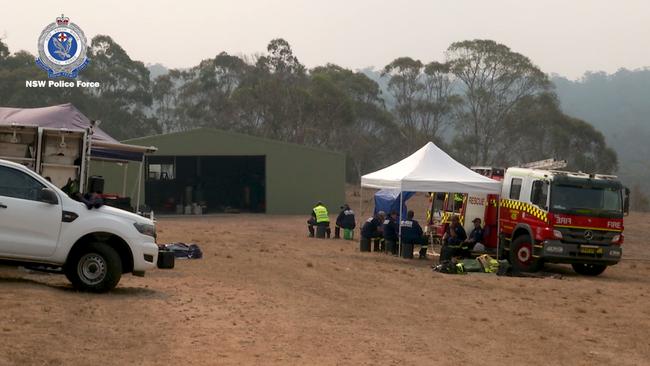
x=387, y=200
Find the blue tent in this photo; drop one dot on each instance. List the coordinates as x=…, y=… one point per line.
x=387, y=200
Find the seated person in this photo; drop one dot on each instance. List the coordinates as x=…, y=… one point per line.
x=454, y=241
x=345, y=220
x=319, y=217
x=412, y=233
x=372, y=227
x=391, y=230
x=455, y=233
x=476, y=236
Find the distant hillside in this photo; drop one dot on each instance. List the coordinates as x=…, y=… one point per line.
x=619, y=106
x=156, y=70
x=375, y=75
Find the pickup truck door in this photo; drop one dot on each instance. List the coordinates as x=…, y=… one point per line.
x=28, y=228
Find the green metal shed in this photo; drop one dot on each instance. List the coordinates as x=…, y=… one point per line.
x=223, y=171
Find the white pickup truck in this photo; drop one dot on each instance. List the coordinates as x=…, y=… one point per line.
x=41, y=226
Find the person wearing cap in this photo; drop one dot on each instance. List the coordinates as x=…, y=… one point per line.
x=412, y=233
x=475, y=236
x=319, y=217
x=345, y=220
x=391, y=232
x=372, y=227
x=455, y=233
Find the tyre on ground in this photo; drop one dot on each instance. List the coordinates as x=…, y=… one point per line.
x=521, y=255
x=95, y=267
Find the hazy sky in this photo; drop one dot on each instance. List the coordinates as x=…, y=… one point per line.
x=560, y=36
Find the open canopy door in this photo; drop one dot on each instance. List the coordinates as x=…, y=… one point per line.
x=66, y=116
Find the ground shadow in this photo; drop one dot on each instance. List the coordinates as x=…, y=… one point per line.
x=34, y=282
x=135, y=291
x=126, y=291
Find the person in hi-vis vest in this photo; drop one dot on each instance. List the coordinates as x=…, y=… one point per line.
x=319, y=217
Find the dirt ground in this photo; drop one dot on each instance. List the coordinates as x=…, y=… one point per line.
x=266, y=294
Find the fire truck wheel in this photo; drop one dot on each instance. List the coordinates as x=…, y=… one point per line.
x=589, y=269
x=521, y=255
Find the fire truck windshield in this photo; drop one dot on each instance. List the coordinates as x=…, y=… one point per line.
x=586, y=199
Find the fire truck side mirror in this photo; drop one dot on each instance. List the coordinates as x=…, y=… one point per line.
x=626, y=201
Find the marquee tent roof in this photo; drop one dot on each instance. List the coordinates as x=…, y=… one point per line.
x=66, y=116
x=430, y=170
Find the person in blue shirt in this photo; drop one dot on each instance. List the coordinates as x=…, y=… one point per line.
x=476, y=235
x=453, y=240
x=345, y=220
x=412, y=233
x=455, y=233
x=372, y=229
x=391, y=232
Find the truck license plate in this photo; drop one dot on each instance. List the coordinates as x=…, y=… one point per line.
x=590, y=249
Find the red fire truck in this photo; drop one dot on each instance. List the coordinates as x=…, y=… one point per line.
x=544, y=216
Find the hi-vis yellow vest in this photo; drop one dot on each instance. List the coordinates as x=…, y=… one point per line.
x=321, y=214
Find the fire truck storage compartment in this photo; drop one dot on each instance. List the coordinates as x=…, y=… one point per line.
x=61, y=155
x=19, y=144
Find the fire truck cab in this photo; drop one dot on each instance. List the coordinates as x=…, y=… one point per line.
x=561, y=217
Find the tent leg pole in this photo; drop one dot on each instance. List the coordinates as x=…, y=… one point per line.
x=137, y=205
x=401, y=204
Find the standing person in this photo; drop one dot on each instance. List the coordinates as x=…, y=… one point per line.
x=412, y=233
x=319, y=217
x=391, y=232
x=345, y=220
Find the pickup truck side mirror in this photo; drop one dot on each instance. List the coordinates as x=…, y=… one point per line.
x=48, y=196
x=626, y=201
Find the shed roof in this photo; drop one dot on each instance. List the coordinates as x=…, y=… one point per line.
x=229, y=135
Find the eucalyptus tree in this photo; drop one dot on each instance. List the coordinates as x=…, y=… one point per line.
x=493, y=80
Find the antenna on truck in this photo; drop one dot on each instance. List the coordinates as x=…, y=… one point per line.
x=549, y=164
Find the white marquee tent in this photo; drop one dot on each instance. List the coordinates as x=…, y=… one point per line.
x=429, y=170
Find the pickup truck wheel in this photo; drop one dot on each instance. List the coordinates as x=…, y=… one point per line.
x=95, y=268
x=521, y=255
x=589, y=269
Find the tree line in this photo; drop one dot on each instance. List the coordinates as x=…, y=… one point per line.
x=617, y=104
x=485, y=104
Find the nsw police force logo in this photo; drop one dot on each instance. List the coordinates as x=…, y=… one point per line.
x=62, y=49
